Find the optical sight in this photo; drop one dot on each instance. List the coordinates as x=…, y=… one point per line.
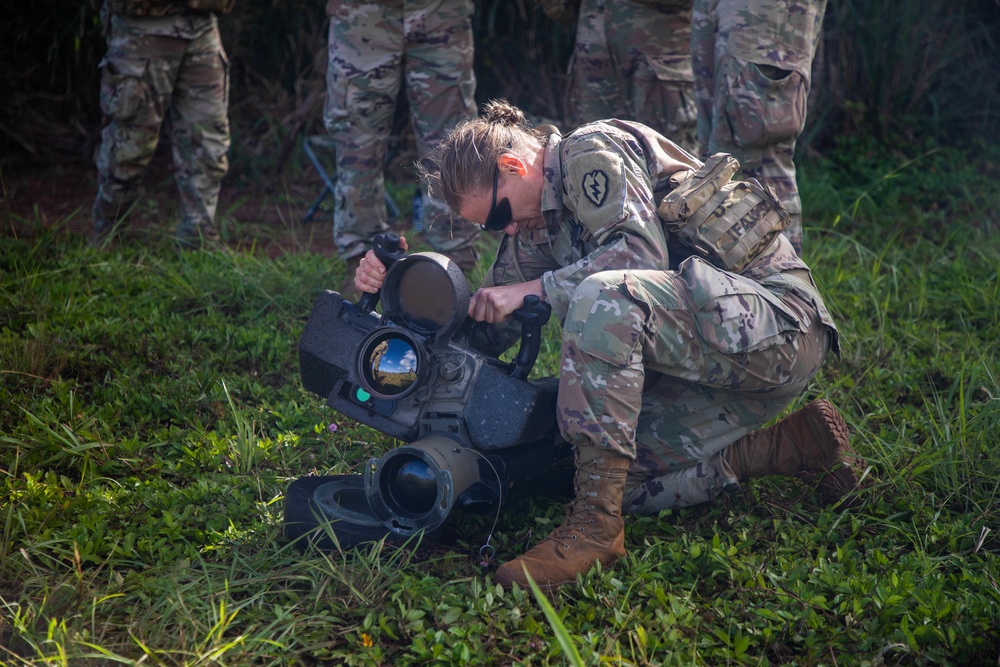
x=478, y=434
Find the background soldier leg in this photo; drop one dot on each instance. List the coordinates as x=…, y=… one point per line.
x=594, y=91
x=363, y=80
x=632, y=60
x=753, y=72
x=441, y=88
x=136, y=85
x=651, y=46
x=200, y=135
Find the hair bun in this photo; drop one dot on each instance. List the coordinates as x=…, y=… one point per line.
x=502, y=112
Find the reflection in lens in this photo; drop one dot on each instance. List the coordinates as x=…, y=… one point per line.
x=426, y=297
x=392, y=367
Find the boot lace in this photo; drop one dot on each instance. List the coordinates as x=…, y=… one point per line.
x=574, y=524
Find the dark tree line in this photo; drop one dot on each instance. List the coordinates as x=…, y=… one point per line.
x=894, y=70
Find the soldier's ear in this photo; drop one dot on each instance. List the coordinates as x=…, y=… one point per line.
x=512, y=164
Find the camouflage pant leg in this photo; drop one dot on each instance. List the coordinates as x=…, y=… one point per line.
x=601, y=369
x=685, y=428
x=593, y=86
x=363, y=78
x=441, y=89
x=682, y=432
x=753, y=73
x=732, y=356
x=136, y=84
x=144, y=78
x=700, y=483
x=632, y=60
x=199, y=122
x=654, y=45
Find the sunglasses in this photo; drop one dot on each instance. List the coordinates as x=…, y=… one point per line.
x=500, y=214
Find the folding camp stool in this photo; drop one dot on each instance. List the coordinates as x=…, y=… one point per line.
x=328, y=145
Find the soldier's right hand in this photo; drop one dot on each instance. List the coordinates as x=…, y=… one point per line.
x=370, y=274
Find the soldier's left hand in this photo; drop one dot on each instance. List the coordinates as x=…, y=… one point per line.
x=495, y=304
x=370, y=274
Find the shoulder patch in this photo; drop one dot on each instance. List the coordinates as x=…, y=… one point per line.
x=595, y=186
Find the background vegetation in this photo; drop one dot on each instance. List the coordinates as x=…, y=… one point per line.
x=888, y=69
x=152, y=418
x=151, y=415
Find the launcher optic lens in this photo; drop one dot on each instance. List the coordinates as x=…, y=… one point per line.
x=410, y=487
x=389, y=364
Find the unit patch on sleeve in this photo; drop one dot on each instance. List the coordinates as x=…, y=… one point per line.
x=595, y=186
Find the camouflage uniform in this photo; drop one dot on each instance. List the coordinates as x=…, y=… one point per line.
x=752, y=66
x=374, y=48
x=157, y=67
x=632, y=60
x=665, y=358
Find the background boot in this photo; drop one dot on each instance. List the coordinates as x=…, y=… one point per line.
x=107, y=221
x=592, y=531
x=201, y=237
x=810, y=443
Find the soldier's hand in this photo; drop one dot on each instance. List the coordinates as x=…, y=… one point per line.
x=495, y=304
x=370, y=274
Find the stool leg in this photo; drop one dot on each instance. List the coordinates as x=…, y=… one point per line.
x=307, y=145
x=390, y=205
x=315, y=205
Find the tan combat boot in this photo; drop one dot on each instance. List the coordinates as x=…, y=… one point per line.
x=810, y=443
x=592, y=531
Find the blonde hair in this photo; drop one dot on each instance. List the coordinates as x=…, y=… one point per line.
x=464, y=161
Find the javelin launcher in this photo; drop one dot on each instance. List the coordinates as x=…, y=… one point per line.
x=479, y=434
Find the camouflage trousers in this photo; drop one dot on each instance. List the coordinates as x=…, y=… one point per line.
x=632, y=61
x=146, y=79
x=671, y=368
x=752, y=72
x=375, y=48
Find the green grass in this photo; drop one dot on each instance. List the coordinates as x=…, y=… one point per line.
x=151, y=418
